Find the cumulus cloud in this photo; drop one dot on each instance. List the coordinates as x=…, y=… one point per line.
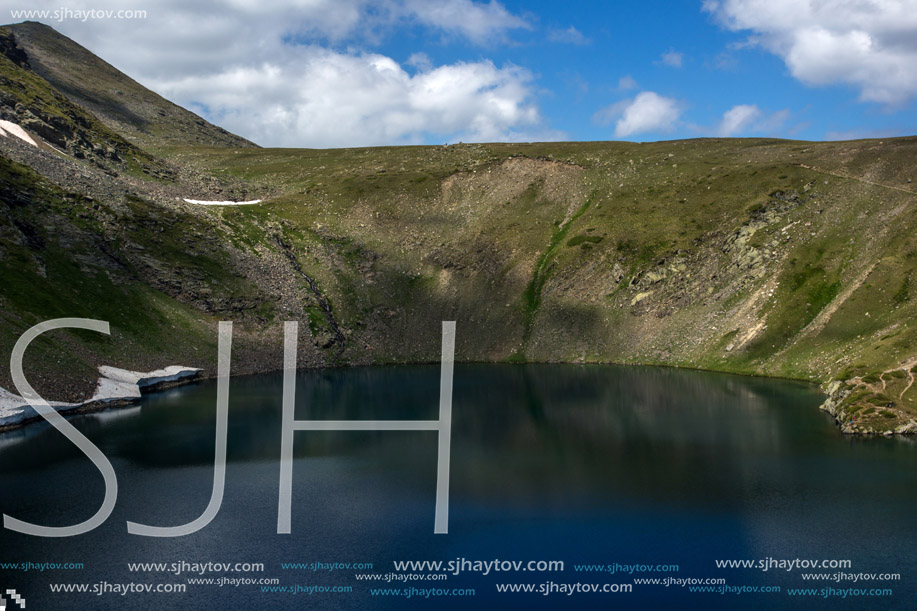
x=647, y=112
x=869, y=44
x=479, y=22
x=738, y=119
x=323, y=98
x=673, y=59
x=608, y=114
x=296, y=73
x=187, y=37
x=420, y=60
x=745, y=120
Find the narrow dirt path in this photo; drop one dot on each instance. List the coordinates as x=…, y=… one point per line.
x=907, y=366
x=863, y=180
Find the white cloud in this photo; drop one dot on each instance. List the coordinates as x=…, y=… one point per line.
x=267, y=72
x=187, y=37
x=322, y=98
x=420, y=60
x=869, y=44
x=607, y=114
x=648, y=112
x=772, y=124
x=569, y=36
x=626, y=82
x=738, y=119
x=673, y=59
x=746, y=120
x=479, y=22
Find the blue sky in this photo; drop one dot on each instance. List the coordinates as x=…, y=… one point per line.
x=329, y=73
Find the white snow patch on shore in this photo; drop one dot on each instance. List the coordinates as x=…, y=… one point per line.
x=172, y=373
x=14, y=409
x=201, y=202
x=108, y=390
x=115, y=385
x=10, y=128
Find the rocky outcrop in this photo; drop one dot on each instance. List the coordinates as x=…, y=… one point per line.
x=127, y=108
x=323, y=340
x=12, y=51
x=29, y=102
x=847, y=418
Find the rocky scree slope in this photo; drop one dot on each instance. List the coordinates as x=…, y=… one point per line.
x=126, y=107
x=754, y=256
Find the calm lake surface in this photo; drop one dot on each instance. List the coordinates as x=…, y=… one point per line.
x=584, y=464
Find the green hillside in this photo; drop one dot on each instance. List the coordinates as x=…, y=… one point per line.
x=779, y=258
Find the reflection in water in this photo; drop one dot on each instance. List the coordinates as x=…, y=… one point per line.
x=584, y=463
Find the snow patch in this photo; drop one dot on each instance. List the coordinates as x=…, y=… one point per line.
x=201, y=202
x=14, y=409
x=10, y=128
x=115, y=386
x=172, y=373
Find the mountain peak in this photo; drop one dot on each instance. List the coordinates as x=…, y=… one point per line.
x=124, y=105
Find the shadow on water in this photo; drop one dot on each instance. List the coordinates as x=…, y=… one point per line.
x=586, y=463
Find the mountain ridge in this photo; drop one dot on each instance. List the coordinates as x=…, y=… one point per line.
x=753, y=256
x=125, y=106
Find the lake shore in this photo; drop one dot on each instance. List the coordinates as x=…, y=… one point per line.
x=848, y=422
x=121, y=388
x=115, y=388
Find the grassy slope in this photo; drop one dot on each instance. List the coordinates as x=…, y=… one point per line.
x=755, y=256
x=56, y=260
x=772, y=257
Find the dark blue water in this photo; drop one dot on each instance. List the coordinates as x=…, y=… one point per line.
x=583, y=464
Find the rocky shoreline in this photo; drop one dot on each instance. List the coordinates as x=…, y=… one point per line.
x=115, y=388
x=121, y=387
x=848, y=423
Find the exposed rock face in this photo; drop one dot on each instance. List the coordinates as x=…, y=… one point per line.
x=12, y=51
x=754, y=256
x=29, y=101
x=123, y=105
